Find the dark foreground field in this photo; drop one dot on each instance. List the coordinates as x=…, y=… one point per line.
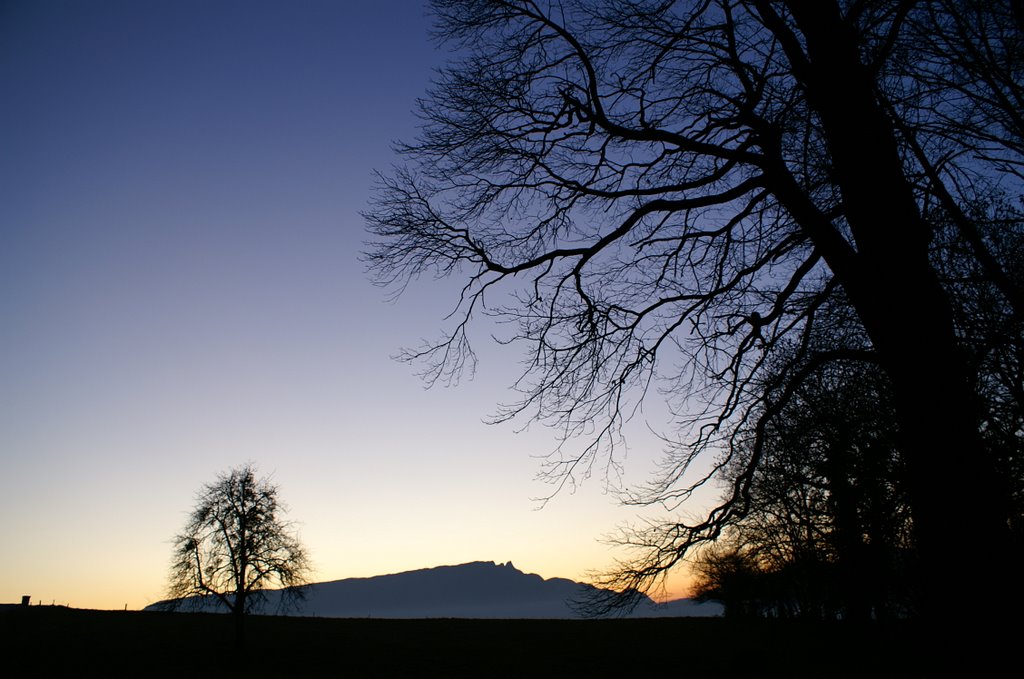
x=45, y=641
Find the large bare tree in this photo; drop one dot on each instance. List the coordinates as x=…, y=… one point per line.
x=667, y=194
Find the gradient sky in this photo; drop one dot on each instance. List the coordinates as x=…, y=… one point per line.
x=180, y=293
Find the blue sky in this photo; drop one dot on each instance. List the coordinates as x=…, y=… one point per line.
x=180, y=292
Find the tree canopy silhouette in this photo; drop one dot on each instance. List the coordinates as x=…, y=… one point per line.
x=665, y=198
x=235, y=545
x=826, y=533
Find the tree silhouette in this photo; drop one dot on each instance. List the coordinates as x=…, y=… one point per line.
x=235, y=545
x=668, y=195
x=827, y=528
x=734, y=578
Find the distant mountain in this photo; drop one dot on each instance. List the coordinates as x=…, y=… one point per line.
x=482, y=589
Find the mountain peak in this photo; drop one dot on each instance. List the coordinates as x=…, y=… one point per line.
x=478, y=589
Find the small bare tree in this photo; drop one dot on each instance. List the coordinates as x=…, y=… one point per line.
x=235, y=546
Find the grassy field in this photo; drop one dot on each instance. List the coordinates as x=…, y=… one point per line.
x=45, y=641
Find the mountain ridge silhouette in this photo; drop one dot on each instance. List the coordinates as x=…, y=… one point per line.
x=478, y=589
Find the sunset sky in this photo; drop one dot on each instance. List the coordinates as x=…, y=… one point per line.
x=181, y=292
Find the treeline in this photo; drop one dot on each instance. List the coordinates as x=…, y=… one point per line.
x=826, y=529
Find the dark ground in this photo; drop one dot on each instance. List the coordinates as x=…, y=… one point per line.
x=53, y=641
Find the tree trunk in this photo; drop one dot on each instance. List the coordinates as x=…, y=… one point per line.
x=854, y=576
x=956, y=495
x=238, y=613
x=241, y=568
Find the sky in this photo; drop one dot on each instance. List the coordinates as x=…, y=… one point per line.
x=181, y=292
